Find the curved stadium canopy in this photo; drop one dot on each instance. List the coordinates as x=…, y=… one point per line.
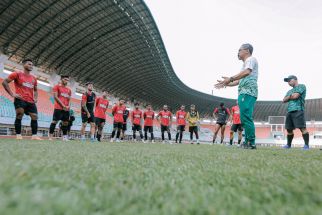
x=114, y=43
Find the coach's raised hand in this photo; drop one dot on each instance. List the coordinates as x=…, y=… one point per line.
x=222, y=83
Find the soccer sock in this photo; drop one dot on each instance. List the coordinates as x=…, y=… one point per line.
x=141, y=135
x=162, y=135
x=231, y=141
x=113, y=133
x=92, y=136
x=64, y=129
x=98, y=137
x=169, y=135
x=152, y=136
x=290, y=138
x=191, y=136
x=239, y=141
x=52, y=128
x=197, y=135
x=118, y=134
x=146, y=135
x=180, y=137
x=134, y=135
x=177, y=136
x=34, y=126
x=18, y=126
x=306, y=138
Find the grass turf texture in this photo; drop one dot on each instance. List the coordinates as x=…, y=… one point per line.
x=124, y=178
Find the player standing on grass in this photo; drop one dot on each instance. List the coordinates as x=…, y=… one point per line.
x=236, y=125
x=181, y=122
x=221, y=114
x=25, y=97
x=136, y=117
x=295, y=117
x=100, y=114
x=62, y=96
x=247, y=91
x=126, y=115
x=165, y=119
x=88, y=106
x=148, y=116
x=117, y=112
x=193, y=120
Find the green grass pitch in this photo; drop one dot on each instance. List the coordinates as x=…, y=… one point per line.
x=134, y=178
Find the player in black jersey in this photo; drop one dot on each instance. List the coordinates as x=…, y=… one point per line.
x=88, y=106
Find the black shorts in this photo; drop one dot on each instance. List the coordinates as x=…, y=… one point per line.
x=85, y=119
x=99, y=121
x=60, y=115
x=27, y=106
x=193, y=129
x=221, y=123
x=118, y=125
x=165, y=128
x=236, y=127
x=136, y=128
x=148, y=129
x=181, y=127
x=295, y=119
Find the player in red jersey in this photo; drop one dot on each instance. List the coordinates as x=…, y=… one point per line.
x=181, y=122
x=25, y=97
x=100, y=114
x=136, y=118
x=236, y=124
x=62, y=96
x=117, y=112
x=165, y=119
x=148, y=116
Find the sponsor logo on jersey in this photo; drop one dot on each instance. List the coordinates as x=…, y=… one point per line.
x=102, y=106
x=28, y=84
x=65, y=95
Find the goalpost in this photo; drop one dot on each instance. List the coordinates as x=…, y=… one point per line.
x=277, y=124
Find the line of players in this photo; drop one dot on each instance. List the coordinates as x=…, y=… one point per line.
x=93, y=111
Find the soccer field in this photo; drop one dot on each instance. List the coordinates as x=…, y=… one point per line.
x=134, y=178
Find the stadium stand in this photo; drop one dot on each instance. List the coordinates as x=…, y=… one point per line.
x=116, y=45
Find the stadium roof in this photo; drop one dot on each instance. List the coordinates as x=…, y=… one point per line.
x=114, y=43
